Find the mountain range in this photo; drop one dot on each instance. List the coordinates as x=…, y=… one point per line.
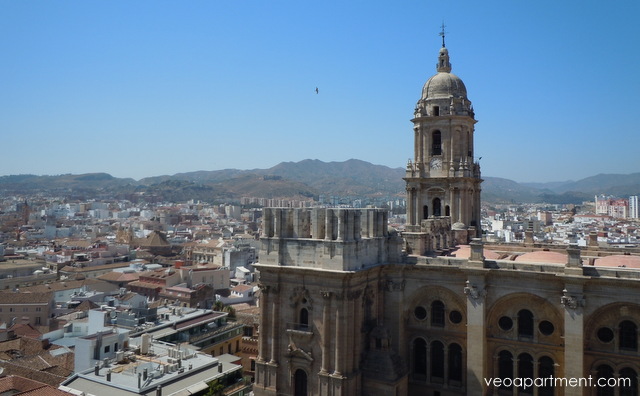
x=307, y=178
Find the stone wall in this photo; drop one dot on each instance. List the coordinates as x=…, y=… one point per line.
x=333, y=239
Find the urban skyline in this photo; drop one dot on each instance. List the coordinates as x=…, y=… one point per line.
x=152, y=88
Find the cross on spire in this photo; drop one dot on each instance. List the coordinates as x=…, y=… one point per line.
x=442, y=33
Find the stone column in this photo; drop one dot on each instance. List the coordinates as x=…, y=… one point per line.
x=466, y=206
x=267, y=223
x=264, y=333
x=572, y=299
x=459, y=204
x=328, y=225
x=424, y=148
x=318, y=223
x=341, y=223
x=410, y=206
x=416, y=144
x=385, y=222
x=326, y=331
x=352, y=342
x=357, y=318
x=430, y=363
x=277, y=222
x=357, y=225
x=339, y=339
x=516, y=373
x=496, y=372
x=419, y=214
x=380, y=224
x=275, y=321
x=476, y=340
x=477, y=213
x=414, y=205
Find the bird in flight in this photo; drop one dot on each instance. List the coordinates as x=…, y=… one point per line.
x=317, y=90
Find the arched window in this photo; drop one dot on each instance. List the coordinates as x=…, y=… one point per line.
x=455, y=362
x=546, y=369
x=505, y=368
x=436, y=207
x=437, y=313
x=604, y=371
x=525, y=370
x=304, y=318
x=628, y=335
x=425, y=212
x=628, y=387
x=447, y=210
x=300, y=383
x=525, y=323
x=437, y=361
x=436, y=143
x=420, y=358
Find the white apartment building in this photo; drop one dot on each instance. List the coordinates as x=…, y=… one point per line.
x=634, y=213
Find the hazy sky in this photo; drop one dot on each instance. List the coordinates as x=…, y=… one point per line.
x=145, y=88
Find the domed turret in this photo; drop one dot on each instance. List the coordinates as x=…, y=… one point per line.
x=444, y=93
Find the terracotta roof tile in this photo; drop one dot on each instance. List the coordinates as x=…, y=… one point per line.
x=618, y=260
x=464, y=251
x=543, y=257
x=8, y=297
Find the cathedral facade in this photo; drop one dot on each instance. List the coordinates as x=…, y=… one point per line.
x=351, y=307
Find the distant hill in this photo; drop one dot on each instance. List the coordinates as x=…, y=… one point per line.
x=609, y=184
x=62, y=182
x=307, y=178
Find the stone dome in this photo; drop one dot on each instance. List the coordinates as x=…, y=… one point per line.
x=444, y=85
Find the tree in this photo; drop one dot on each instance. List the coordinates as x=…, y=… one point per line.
x=215, y=388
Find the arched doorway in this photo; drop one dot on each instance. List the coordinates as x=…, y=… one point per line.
x=437, y=209
x=300, y=383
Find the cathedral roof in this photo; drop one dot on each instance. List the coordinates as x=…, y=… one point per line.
x=464, y=251
x=542, y=256
x=618, y=260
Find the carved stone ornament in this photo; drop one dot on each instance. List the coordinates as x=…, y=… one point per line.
x=300, y=295
x=569, y=301
x=354, y=294
x=472, y=292
x=294, y=351
x=326, y=294
x=391, y=285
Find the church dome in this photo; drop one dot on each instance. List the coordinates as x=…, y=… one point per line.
x=444, y=85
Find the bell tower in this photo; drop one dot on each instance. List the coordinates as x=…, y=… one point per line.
x=443, y=179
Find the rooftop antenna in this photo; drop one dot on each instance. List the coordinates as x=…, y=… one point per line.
x=442, y=33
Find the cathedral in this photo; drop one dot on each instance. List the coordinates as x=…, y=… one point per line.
x=351, y=307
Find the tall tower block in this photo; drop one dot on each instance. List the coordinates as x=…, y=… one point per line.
x=443, y=180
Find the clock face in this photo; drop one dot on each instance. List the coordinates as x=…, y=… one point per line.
x=436, y=164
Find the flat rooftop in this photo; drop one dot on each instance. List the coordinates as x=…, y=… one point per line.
x=177, y=370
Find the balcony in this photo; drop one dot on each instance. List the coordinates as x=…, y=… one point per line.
x=299, y=328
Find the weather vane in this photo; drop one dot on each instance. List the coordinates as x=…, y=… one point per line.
x=442, y=33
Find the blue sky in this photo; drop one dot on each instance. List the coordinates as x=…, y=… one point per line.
x=145, y=88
